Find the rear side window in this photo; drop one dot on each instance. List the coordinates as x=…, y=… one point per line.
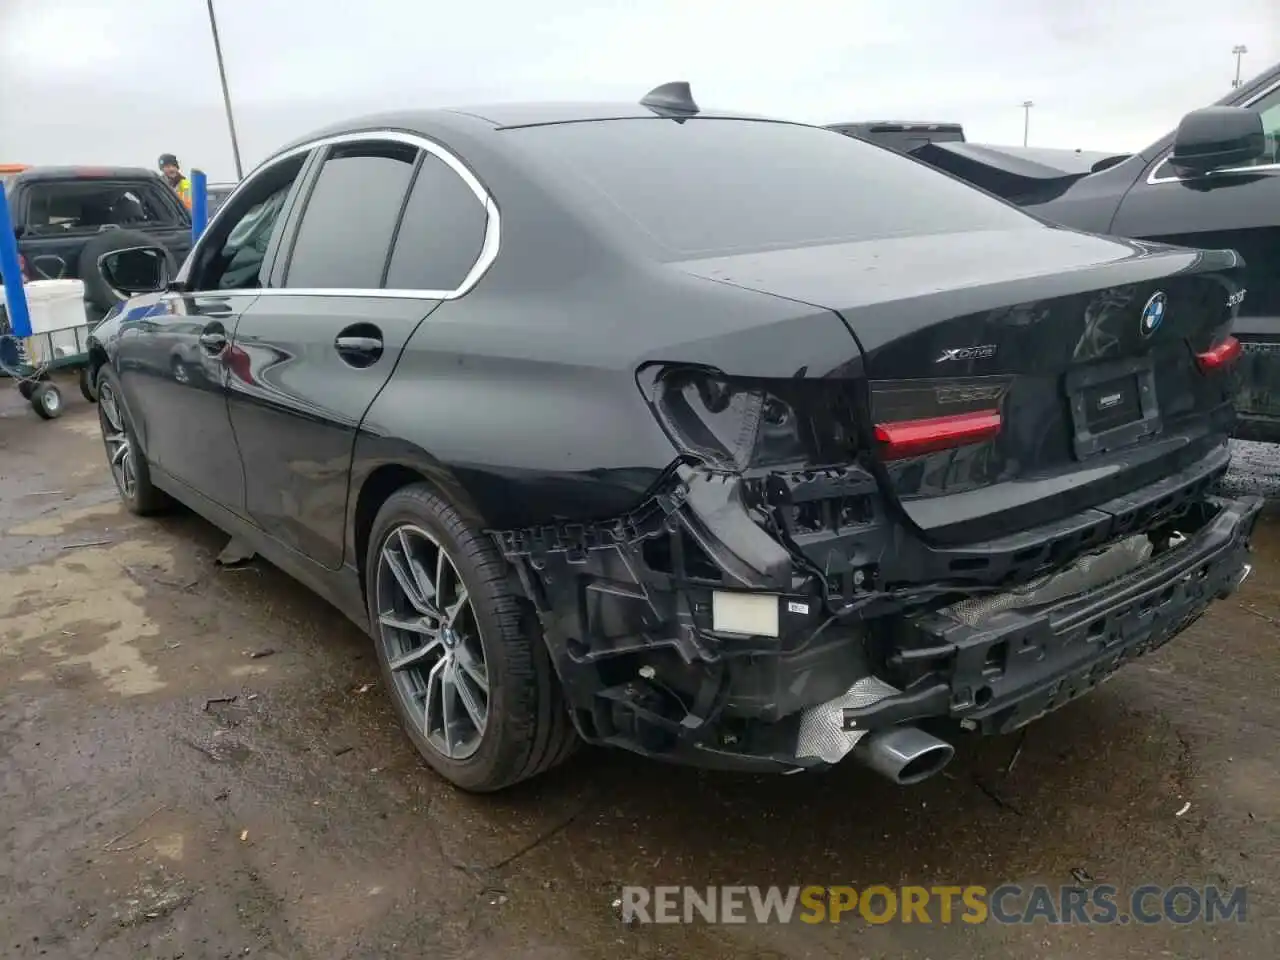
x=440, y=238
x=72, y=206
x=350, y=217
x=709, y=187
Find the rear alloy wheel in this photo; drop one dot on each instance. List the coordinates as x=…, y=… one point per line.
x=128, y=466
x=459, y=650
x=431, y=642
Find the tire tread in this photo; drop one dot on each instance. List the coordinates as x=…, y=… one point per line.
x=148, y=500
x=538, y=716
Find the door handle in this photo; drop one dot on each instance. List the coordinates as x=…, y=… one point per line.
x=213, y=341
x=358, y=345
x=361, y=347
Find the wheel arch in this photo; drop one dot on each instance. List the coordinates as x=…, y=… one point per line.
x=377, y=481
x=97, y=357
x=128, y=410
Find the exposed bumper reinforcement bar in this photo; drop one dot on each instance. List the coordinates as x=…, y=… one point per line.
x=1017, y=665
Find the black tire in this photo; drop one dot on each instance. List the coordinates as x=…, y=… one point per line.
x=27, y=387
x=528, y=729
x=97, y=292
x=142, y=497
x=46, y=401
x=88, y=388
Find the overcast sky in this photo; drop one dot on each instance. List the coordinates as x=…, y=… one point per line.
x=120, y=81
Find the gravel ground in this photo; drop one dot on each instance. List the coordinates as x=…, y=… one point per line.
x=146, y=814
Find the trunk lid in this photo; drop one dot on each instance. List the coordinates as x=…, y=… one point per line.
x=1043, y=328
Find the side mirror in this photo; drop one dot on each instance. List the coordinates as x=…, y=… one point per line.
x=1214, y=138
x=136, y=269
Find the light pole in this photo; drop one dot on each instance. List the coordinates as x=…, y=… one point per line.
x=1239, y=50
x=1026, y=120
x=226, y=94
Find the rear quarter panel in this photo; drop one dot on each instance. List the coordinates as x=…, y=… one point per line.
x=527, y=406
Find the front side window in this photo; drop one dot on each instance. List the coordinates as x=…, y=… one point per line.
x=1269, y=107
x=231, y=254
x=350, y=217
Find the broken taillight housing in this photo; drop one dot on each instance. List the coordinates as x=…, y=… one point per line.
x=735, y=423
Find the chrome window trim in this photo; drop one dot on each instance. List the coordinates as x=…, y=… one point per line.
x=1152, y=179
x=488, y=249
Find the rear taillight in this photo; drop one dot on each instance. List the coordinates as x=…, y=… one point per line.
x=1220, y=357
x=737, y=423
x=913, y=438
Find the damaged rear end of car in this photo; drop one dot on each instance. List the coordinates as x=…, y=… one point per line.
x=1001, y=493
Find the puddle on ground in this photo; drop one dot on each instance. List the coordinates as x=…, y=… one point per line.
x=82, y=608
x=58, y=523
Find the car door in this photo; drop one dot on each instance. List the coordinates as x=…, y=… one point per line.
x=174, y=371
x=349, y=289
x=1237, y=208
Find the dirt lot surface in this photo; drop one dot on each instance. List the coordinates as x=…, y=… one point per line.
x=199, y=762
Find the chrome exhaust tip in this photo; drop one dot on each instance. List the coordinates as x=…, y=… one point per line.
x=905, y=755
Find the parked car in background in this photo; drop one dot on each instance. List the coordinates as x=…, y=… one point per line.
x=68, y=217
x=218, y=193
x=1213, y=182
x=753, y=472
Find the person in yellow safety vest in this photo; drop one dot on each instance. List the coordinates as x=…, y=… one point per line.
x=177, y=180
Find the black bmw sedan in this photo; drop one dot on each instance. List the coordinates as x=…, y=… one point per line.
x=725, y=440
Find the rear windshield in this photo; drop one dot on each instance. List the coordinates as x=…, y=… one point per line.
x=70, y=206
x=710, y=187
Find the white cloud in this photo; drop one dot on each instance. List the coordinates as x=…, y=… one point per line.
x=114, y=81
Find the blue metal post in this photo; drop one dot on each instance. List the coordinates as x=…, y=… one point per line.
x=199, y=204
x=10, y=267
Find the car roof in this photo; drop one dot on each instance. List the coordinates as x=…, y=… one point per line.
x=498, y=116
x=540, y=114
x=34, y=174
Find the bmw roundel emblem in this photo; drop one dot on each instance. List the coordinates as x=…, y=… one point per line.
x=1153, y=313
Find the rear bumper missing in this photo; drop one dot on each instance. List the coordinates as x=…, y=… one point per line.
x=1015, y=666
x=628, y=612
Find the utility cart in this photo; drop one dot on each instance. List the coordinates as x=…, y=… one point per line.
x=58, y=340
x=44, y=327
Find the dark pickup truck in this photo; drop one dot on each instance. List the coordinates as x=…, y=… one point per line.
x=1213, y=182
x=68, y=217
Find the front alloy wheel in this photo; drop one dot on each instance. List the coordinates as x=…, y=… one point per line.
x=118, y=443
x=127, y=461
x=432, y=642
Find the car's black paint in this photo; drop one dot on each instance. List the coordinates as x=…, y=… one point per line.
x=297, y=403
x=1217, y=138
x=1146, y=197
x=524, y=397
